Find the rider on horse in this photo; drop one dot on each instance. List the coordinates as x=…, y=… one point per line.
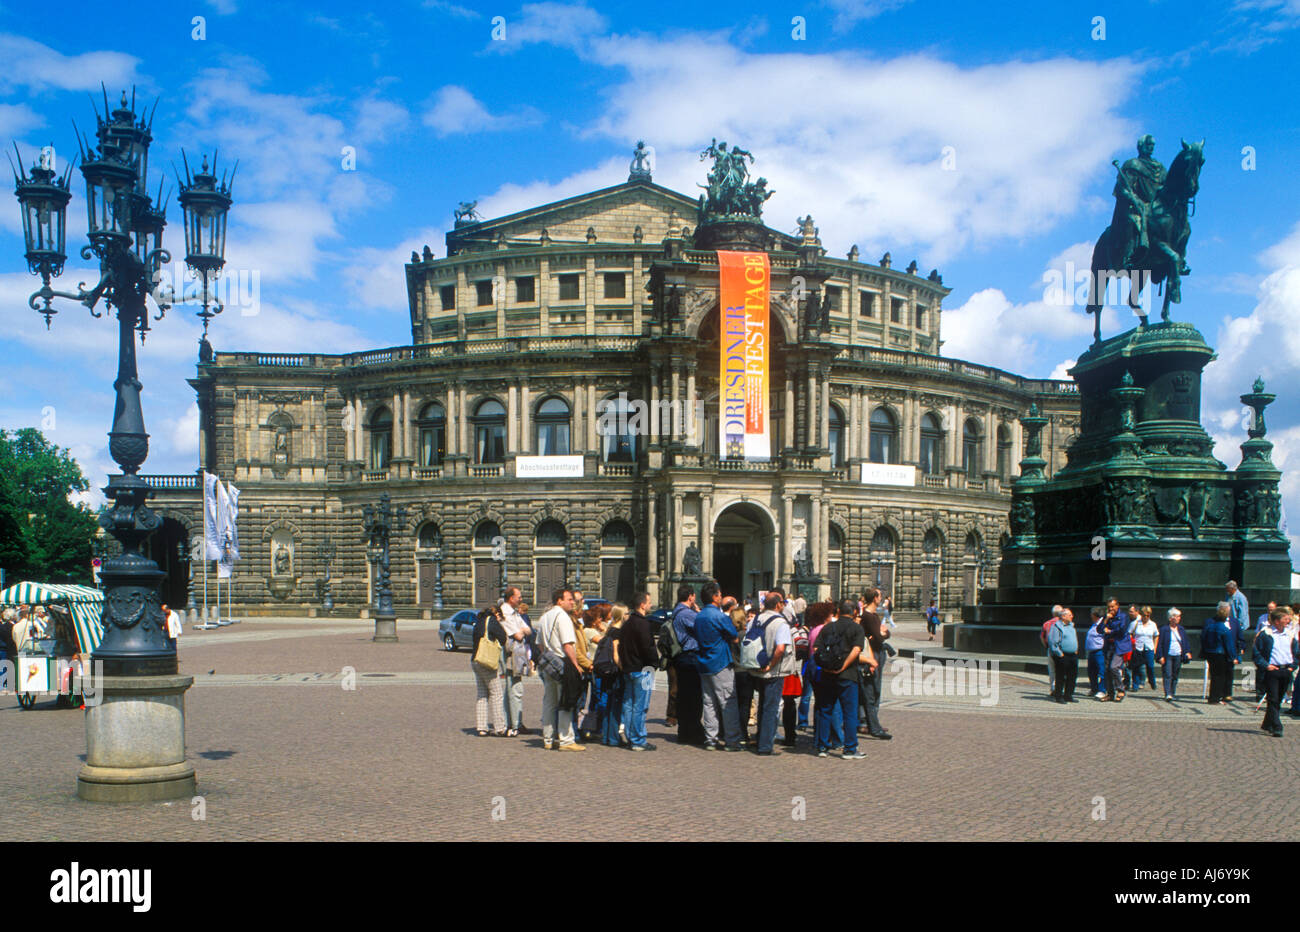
x=1135, y=193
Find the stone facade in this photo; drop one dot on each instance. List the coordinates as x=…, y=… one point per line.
x=521, y=339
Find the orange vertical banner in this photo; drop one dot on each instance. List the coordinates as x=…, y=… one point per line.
x=743, y=424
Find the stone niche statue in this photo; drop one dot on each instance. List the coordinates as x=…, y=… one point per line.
x=283, y=565
x=803, y=567
x=692, y=561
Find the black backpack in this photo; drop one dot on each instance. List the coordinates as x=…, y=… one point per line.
x=830, y=651
x=604, y=664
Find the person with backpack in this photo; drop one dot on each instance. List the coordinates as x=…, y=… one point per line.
x=815, y=616
x=837, y=650
x=608, y=691
x=767, y=652
x=690, y=699
x=558, y=663
x=716, y=633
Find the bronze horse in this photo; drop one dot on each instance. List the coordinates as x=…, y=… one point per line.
x=1167, y=233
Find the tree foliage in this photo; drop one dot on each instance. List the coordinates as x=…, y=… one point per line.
x=44, y=536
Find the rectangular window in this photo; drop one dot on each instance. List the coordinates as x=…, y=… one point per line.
x=615, y=285
x=490, y=443
x=448, y=295
x=568, y=287
x=896, y=310
x=920, y=317
x=866, y=304
x=525, y=292
x=832, y=299
x=484, y=289
x=882, y=447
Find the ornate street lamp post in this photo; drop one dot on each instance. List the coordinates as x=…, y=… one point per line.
x=325, y=551
x=135, y=729
x=435, y=557
x=379, y=523
x=576, y=550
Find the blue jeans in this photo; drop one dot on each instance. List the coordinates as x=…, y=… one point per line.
x=769, y=710
x=842, y=695
x=1097, y=671
x=1144, y=659
x=637, y=688
x=610, y=705
x=806, y=698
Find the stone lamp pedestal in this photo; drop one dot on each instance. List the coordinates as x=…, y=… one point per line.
x=135, y=741
x=385, y=629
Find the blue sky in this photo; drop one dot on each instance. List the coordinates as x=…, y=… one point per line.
x=848, y=123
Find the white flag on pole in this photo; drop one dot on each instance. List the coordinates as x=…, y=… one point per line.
x=224, y=559
x=211, y=533
x=232, y=523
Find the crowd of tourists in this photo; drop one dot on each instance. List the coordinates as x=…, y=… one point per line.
x=738, y=672
x=1124, y=648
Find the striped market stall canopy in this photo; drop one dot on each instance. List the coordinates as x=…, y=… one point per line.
x=85, y=604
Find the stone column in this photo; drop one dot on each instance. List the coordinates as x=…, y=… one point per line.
x=652, y=537
x=349, y=434
x=512, y=416
x=654, y=404
x=811, y=419
x=466, y=441
x=525, y=430
x=688, y=415
x=815, y=549
x=408, y=441
x=577, y=435
x=824, y=540
x=677, y=548
x=790, y=412
x=784, y=567
x=675, y=427
x=359, y=439
x=990, y=441
x=706, y=532
x=593, y=445
x=453, y=422
x=854, y=426
x=825, y=408
x=399, y=427
x=864, y=448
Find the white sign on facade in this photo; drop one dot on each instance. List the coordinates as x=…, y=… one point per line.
x=548, y=467
x=888, y=474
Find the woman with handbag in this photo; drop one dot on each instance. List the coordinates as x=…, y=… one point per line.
x=489, y=640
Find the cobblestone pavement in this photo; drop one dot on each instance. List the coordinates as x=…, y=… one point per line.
x=397, y=758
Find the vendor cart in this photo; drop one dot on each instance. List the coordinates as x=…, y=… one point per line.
x=53, y=660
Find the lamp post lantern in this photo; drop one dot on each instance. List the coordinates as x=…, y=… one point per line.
x=435, y=557
x=576, y=550
x=379, y=523
x=135, y=729
x=325, y=551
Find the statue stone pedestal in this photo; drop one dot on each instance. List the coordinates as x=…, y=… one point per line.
x=385, y=629
x=135, y=741
x=1142, y=511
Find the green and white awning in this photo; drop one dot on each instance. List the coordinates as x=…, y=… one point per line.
x=86, y=605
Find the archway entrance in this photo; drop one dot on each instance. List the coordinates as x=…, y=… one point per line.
x=169, y=548
x=743, y=549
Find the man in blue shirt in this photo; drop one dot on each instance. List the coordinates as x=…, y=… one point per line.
x=690, y=700
x=715, y=634
x=1236, y=600
x=1063, y=644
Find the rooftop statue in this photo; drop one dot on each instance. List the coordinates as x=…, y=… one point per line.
x=729, y=192
x=639, y=170
x=467, y=212
x=1147, y=237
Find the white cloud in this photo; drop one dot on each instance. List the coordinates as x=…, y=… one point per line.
x=32, y=64
x=455, y=110
x=572, y=25
x=1062, y=370
x=992, y=329
x=848, y=13
x=865, y=141
x=376, y=277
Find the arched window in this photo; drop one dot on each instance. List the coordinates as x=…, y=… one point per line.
x=882, y=542
x=618, y=423
x=551, y=534
x=1004, y=453
x=490, y=432
x=931, y=445
x=882, y=561
x=972, y=448
x=932, y=544
x=972, y=547
x=884, y=436
x=381, y=438
x=835, y=436
x=429, y=536
x=835, y=540
x=553, y=427
x=617, y=535
x=485, y=532
x=432, y=424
